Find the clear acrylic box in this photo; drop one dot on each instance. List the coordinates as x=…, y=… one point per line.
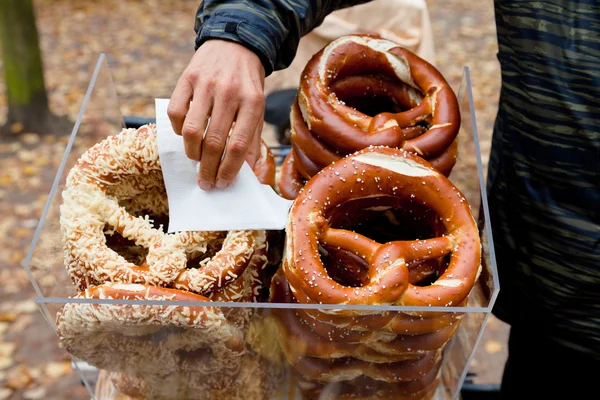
x=169, y=367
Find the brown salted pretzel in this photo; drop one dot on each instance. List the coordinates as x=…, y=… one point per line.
x=349, y=130
x=381, y=172
x=265, y=167
x=298, y=336
x=290, y=181
x=111, y=176
x=421, y=110
x=313, y=154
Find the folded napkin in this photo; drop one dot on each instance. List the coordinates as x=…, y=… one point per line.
x=245, y=205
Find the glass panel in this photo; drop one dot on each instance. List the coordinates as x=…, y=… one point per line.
x=98, y=118
x=153, y=344
x=174, y=352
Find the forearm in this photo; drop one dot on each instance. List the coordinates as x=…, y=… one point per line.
x=270, y=28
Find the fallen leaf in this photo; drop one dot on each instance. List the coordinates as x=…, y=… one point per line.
x=16, y=127
x=30, y=138
x=5, y=393
x=30, y=170
x=58, y=369
x=35, y=394
x=493, y=346
x=8, y=316
x=26, y=307
x=22, y=322
x=6, y=349
x=19, y=378
x=6, y=362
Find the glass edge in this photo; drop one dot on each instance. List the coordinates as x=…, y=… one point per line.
x=463, y=376
x=482, y=187
x=59, y=174
x=265, y=305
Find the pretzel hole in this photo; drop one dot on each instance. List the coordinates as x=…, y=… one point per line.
x=199, y=259
x=203, y=355
x=344, y=267
x=368, y=100
x=383, y=219
x=126, y=248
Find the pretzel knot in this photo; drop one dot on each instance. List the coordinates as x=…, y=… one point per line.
x=407, y=104
x=375, y=173
x=121, y=177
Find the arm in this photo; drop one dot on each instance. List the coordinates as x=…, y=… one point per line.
x=271, y=29
x=238, y=43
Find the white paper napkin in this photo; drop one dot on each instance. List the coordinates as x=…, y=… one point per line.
x=245, y=205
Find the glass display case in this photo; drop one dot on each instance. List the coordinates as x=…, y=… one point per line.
x=133, y=341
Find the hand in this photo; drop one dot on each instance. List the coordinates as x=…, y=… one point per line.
x=225, y=82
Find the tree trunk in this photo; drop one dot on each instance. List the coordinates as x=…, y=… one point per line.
x=23, y=69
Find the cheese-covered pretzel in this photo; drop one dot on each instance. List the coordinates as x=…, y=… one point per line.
x=376, y=172
x=127, y=338
x=122, y=174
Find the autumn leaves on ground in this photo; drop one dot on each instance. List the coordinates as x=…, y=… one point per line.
x=148, y=44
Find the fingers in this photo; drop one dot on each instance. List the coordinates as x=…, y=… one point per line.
x=195, y=123
x=179, y=103
x=245, y=135
x=214, y=141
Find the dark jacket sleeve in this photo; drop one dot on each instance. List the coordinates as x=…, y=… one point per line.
x=270, y=28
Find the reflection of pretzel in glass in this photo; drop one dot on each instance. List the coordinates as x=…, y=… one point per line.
x=361, y=72
x=100, y=333
x=364, y=388
x=122, y=174
x=299, y=337
x=376, y=172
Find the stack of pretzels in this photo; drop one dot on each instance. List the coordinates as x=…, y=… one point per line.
x=112, y=216
x=407, y=104
x=427, y=253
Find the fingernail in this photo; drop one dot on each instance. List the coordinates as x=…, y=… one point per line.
x=205, y=185
x=221, y=183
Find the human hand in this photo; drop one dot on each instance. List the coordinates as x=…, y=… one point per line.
x=225, y=82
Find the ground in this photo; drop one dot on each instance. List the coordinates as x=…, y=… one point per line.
x=148, y=44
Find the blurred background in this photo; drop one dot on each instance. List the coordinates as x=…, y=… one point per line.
x=49, y=49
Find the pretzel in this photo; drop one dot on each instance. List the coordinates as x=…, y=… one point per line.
x=344, y=369
x=349, y=130
x=265, y=167
x=354, y=72
x=375, y=172
x=367, y=388
x=290, y=181
x=256, y=380
x=299, y=339
x=106, y=181
x=125, y=337
x=313, y=154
